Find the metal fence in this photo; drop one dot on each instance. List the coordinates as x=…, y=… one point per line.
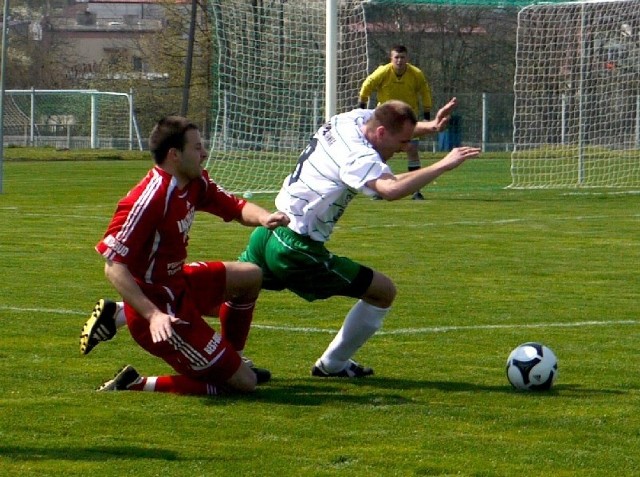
x=91, y=119
x=484, y=120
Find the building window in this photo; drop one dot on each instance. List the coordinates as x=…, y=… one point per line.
x=137, y=63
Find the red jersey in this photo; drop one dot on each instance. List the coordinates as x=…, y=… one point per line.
x=149, y=231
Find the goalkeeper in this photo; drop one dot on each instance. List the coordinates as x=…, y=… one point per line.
x=400, y=80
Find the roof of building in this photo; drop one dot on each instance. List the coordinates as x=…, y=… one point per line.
x=158, y=2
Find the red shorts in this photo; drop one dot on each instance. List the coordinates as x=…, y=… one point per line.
x=195, y=349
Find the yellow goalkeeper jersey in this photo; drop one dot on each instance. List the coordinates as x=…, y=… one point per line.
x=409, y=87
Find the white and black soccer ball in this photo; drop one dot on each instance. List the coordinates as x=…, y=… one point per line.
x=532, y=367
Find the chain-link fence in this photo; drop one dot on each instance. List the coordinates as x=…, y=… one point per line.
x=483, y=120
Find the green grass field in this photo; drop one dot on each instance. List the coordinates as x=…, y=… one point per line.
x=479, y=270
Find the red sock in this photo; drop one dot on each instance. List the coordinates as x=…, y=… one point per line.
x=176, y=384
x=235, y=322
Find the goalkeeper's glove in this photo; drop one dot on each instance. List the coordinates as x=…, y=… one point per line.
x=362, y=105
x=427, y=115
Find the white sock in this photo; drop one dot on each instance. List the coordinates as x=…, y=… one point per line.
x=150, y=384
x=362, y=321
x=119, y=315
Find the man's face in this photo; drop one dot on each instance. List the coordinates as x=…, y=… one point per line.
x=389, y=143
x=399, y=62
x=192, y=156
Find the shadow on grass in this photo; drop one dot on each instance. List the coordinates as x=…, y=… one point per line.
x=457, y=386
x=390, y=391
x=93, y=453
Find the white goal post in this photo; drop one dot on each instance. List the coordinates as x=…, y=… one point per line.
x=70, y=119
x=577, y=95
x=278, y=78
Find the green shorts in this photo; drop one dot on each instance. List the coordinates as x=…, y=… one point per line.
x=304, y=266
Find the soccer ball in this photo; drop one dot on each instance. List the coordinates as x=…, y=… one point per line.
x=532, y=367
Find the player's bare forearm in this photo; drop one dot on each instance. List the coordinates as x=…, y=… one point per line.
x=160, y=323
x=254, y=215
x=125, y=284
x=391, y=187
x=439, y=123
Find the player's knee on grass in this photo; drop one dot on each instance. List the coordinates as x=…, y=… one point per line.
x=243, y=380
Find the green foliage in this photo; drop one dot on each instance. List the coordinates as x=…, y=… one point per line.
x=479, y=269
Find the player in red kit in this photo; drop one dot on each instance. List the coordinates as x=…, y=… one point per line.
x=145, y=249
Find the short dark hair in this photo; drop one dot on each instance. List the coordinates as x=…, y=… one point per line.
x=169, y=132
x=399, y=49
x=393, y=115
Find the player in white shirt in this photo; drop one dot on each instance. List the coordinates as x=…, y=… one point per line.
x=334, y=167
x=347, y=155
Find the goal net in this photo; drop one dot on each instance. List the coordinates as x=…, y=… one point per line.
x=70, y=119
x=271, y=84
x=577, y=97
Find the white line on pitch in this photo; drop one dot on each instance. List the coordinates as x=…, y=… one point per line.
x=401, y=331
x=471, y=223
x=445, y=329
x=475, y=223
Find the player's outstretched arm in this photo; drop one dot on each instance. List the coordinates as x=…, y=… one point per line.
x=160, y=323
x=253, y=215
x=456, y=157
x=440, y=122
x=394, y=187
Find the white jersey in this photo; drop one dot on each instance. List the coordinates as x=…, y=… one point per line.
x=334, y=167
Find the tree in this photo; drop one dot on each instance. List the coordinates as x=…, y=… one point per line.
x=461, y=49
x=158, y=87
x=34, y=59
